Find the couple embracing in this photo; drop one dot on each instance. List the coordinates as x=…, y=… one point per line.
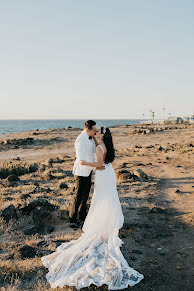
x=95, y=257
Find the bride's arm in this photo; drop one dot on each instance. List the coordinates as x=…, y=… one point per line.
x=99, y=162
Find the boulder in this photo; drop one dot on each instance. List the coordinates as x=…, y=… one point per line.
x=38, y=189
x=13, y=178
x=190, y=144
x=139, y=173
x=6, y=141
x=9, y=213
x=33, y=168
x=25, y=196
x=159, y=147
x=26, y=210
x=49, y=162
x=177, y=191
x=68, y=173
x=48, y=176
x=43, y=167
x=45, y=229
x=63, y=185
x=27, y=252
x=41, y=216
x=148, y=131
x=43, y=244
x=28, y=140
x=149, y=146
x=124, y=175
x=137, y=147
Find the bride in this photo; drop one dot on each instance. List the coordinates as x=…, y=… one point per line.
x=95, y=257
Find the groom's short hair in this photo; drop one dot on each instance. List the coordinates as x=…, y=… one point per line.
x=89, y=123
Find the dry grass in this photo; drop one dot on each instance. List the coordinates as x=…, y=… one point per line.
x=9, y=167
x=137, y=198
x=19, y=266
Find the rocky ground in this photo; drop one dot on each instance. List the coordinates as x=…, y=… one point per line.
x=155, y=181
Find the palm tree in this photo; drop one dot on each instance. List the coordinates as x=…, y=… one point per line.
x=153, y=114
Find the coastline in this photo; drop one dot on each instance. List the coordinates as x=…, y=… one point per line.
x=17, y=125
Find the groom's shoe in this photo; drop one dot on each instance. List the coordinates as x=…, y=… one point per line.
x=75, y=225
x=81, y=224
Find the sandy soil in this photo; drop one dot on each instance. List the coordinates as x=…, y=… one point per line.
x=158, y=232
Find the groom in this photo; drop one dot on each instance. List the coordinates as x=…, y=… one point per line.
x=85, y=145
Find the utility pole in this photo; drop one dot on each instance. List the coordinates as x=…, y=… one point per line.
x=153, y=114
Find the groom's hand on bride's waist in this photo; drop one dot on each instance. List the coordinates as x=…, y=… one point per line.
x=100, y=168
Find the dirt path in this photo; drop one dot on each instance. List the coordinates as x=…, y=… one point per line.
x=167, y=243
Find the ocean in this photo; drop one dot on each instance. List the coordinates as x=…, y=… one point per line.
x=12, y=126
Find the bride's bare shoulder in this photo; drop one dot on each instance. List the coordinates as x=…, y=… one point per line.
x=100, y=148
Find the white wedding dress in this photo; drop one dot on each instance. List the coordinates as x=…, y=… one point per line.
x=95, y=258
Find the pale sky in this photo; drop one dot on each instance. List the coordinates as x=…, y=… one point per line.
x=96, y=58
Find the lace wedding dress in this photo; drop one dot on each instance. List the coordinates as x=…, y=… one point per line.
x=95, y=258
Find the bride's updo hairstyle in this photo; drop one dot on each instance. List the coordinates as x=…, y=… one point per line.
x=110, y=155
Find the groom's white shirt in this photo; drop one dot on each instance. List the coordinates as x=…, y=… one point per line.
x=85, y=150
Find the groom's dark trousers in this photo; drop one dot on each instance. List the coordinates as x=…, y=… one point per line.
x=81, y=194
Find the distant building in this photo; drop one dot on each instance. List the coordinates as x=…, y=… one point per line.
x=172, y=118
x=176, y=119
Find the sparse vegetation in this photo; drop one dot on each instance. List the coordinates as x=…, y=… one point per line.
x=157, y=231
